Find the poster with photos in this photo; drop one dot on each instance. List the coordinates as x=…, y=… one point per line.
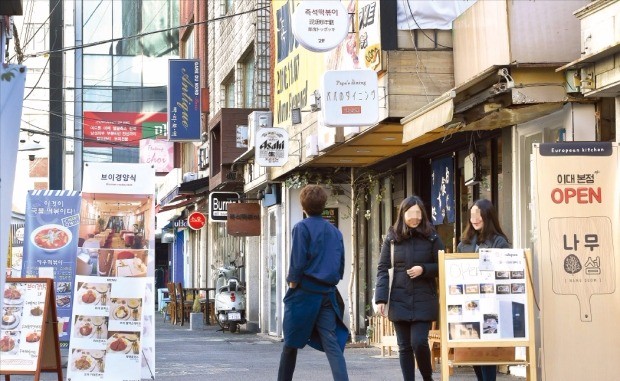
x=113, y=328
x=486, y=305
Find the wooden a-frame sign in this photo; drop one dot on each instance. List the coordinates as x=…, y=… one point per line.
x=473, y=332
x=29, y=341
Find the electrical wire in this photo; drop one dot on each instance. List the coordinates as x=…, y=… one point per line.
x=139, y=35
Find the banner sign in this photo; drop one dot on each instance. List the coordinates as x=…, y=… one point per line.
x=157, y=152
x=119, y=178
x=271, y=147
x=114, y=313
x=350, y=98
x=243, y=219
x=183, y=100
x=121, y=129
x=50, y=246
x=576, y=188
x=218, y=205
x=443, y=208
x=12, y=82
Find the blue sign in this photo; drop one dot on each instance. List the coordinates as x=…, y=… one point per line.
x=50, y=246
x=443, y=208
x=184, y=100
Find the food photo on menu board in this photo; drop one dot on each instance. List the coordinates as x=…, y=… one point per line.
x=90, y=327
x=93, y=293
x=90, y=361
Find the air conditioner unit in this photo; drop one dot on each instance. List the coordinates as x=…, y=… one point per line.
x=256, y=120
x=189, y=176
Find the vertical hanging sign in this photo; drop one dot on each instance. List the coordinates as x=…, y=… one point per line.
x=576, y=187
x=50, y=246
x=183, y=100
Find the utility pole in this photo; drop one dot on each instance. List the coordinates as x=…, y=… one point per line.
x=57, y=108
x=78, y=121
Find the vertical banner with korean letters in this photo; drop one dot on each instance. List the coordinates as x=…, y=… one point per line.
x=113, y=336
x=50, y=247
x=576, y=198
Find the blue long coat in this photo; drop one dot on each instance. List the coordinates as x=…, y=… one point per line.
x=301, y=309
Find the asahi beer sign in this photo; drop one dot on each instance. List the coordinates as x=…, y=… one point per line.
x=350, y=98
x=218, y=205
x=271, y=147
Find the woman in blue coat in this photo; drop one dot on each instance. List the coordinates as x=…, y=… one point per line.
x=483, y=231
x=414, y=303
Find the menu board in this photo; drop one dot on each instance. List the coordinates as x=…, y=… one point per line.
x=486, y=297
x=110, y=321
x=28, y=335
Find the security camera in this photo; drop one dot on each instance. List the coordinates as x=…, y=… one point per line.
x=31, y=157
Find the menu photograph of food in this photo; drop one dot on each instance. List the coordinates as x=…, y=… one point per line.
x=90, y=327
x=91, y=361
x=21, y=325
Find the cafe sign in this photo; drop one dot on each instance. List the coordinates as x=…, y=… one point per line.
x=196, y=220
x=320, y=26
x=271, y=146
x=218, y=205
x=350, y=98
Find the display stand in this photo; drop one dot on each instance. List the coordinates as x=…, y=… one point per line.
x=474, y=347
x=28, y=296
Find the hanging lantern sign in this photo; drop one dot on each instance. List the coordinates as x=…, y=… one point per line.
x=320, y=26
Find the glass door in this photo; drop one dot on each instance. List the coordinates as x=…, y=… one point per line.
x=273, y=264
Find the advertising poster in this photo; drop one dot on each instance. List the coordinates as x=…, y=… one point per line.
x=575, y=191
x=113, y=336
x=50, y=246
x=124, y=129
x=489, y=304
x=22, y=324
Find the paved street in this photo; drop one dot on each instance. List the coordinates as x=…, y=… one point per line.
x=207, y=354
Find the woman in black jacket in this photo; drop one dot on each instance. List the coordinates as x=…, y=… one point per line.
x=414, y=303
x=483, y=231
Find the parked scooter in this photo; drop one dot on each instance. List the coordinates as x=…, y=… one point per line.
x=229, y=297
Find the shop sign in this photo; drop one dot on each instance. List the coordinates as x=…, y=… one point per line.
x=159, y=153
x=184, y=100
x=271, y=147
x=218, y=205
x=243, y=219
x=196, y=220
x=576, y=202
x=320, y=26
x=350, y=98
x=180, y=224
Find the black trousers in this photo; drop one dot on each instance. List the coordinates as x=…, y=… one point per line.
x=412, y=338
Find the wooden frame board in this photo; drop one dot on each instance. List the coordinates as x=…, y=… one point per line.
x=474, y=350
x=31, y=304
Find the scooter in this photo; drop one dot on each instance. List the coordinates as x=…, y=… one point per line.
x=229, y=297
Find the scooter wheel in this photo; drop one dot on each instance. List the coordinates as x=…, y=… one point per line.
x=233, y=327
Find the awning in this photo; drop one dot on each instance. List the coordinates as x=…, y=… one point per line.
x=180, y=204
x=591, y=58
x=194, y=186
x=430, y=117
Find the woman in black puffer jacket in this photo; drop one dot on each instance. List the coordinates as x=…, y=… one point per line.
x=414, y=303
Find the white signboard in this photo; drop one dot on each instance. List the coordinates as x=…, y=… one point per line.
x=486, y=305
x=350, y=98
x=120, y=178
x=271, y=147
x=320, y=26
